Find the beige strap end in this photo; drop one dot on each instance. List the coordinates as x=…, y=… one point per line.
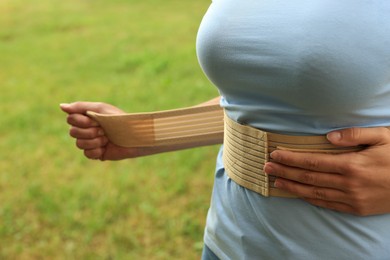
x=202, y=125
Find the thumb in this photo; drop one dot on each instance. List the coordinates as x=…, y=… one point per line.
x=67, y=108
x=79, y=107
x=360, y=136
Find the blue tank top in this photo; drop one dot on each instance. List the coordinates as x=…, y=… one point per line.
x=296, y=67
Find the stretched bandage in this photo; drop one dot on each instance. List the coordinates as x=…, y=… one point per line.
x=246, y=149
x=201, y=125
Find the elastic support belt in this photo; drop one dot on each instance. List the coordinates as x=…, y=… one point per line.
x=246, y=149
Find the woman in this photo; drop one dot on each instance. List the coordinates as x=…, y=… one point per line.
x=300, y=67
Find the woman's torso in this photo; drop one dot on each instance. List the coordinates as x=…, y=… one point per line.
x=299, y=67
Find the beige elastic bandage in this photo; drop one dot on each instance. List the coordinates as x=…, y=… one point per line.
x=246, y=149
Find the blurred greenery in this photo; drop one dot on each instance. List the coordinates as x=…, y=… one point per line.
x=138, y=55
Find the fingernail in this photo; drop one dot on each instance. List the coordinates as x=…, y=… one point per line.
x=334, y=136
x=64, y=105
x=274, y=155
x=268, y=169
x=100, y=132
x=278, y=183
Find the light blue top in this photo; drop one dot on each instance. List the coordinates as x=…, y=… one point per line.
x=298, y=67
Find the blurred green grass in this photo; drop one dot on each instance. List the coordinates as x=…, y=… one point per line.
x=138, y=55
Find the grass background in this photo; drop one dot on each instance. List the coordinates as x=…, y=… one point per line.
x=136, y=54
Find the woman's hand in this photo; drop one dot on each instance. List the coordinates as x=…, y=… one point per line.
x=90, y=136
x=357, y=183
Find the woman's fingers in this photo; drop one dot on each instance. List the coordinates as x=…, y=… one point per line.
x=89, y=135
x=308, y=177
x=96, y=154
x=82, y=107
x=319, y=162
x=86, y=133
x=81, y=121
x=89, y=144
x=360, y=136
x=311, y=192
